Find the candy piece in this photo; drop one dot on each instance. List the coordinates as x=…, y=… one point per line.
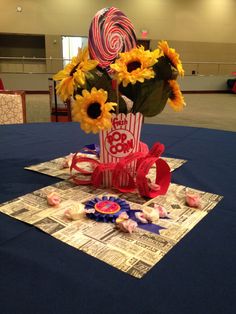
x=123, y=216
x=127, y=225
x=141, y=217
x=110, y=32
x=192, y=199
x=151, y=214
x=53, y=199
x=75, y=212
x=67, y=161
x=162, y=211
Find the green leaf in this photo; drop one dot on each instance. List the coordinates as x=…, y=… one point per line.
x=151, y=97
x=163, y=69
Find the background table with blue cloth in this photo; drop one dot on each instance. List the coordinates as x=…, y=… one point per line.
x=40, y=274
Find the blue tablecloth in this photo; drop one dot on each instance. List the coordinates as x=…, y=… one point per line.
x=39, y=274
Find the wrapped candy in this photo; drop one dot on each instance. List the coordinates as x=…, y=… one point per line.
x=75, y=212
x=141, y=217
x=151, y=214
x=123, y=216
x=67, y=161
x=192, y=199
x=127, y=225
x=53, y=199
x=162, y=211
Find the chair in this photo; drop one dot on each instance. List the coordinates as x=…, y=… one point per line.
x=60, y=111
x=12, y=107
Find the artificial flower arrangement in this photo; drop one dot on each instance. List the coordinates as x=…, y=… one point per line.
x=138, y=81
x=113, y=84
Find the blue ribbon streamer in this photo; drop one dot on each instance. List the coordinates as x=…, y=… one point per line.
x=148, y=226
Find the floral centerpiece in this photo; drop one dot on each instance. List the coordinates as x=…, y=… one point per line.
x=111, y=91
x=139, y=81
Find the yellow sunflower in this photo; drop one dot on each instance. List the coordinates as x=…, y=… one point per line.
x=172, y=55
x=74, y=73
x=92, y=110
x=135, y=65
x=176, y=100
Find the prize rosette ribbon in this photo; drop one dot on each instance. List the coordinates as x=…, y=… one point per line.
x=106, y=209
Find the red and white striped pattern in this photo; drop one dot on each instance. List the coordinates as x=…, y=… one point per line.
x=126, y=125
x=110, y=32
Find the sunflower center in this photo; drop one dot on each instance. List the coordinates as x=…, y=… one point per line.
x=131, y=66
x=94, y=110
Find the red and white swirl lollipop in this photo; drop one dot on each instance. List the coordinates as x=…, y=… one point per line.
x=110, y=32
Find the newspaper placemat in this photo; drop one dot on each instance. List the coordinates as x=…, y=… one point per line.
x=134, y=253
x=54, y=168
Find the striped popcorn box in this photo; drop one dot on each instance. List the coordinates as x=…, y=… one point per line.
x=119, y=141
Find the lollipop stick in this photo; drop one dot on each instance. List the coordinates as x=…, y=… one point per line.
x=117, y=97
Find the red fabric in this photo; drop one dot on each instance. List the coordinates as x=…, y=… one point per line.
x=1, y=85
x=234, y=88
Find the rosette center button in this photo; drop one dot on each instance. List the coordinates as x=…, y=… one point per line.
x=107, y=207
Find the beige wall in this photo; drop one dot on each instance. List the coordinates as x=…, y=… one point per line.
x=200, y=30
x=205, y=58
x=53, y=47
x=184, y=20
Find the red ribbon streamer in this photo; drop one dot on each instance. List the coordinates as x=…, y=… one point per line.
x=97, y=175
x=74, y=166
x=144, y=161
x=122, y=169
